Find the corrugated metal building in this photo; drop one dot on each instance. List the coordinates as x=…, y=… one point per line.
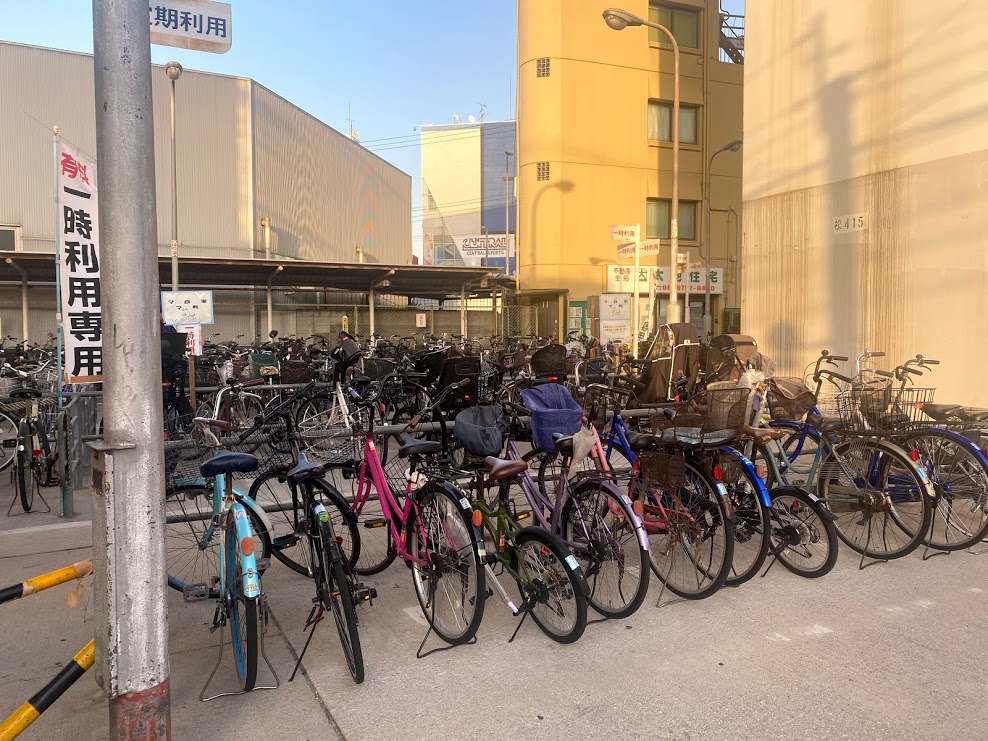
x=244, y=154
x=865, y=166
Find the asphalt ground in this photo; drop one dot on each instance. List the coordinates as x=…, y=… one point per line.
x=896, y=651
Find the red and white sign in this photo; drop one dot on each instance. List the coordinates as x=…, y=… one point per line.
x=645, y=249
x=193, y=337
x=77, y=243
x=624, y=232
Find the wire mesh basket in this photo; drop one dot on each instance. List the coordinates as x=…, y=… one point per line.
x=603, y=402
x=664, y=471
x=713, y=417
x=880, y=409
x=789, y=399
x=335, y=444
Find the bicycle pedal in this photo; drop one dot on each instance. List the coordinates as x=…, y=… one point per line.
x=195, y=592
x=284, y=541
x=376, y=522
x=365, y=594
x=263, y=563
x=490, y=559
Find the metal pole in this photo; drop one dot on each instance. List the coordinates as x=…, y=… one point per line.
x=371, y=297
x=463, y=311
x=133, y=629
x=174, y=71
x=507, y=213
x=707, y=317
x=266, y=223
x=270, y=305
x=635, y=313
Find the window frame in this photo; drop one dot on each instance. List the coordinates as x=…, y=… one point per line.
x=682, y=107
x=666, y=236
x=16, y=229
x=673, y=8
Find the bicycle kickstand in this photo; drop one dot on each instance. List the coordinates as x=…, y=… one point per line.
x=315, y=617
x=219, y=622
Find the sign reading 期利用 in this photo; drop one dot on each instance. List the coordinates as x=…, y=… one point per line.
x=78, y=263
x=200, y=25
x=187, y=307
x=624, y=232
x=693, y=280
x=193, y=337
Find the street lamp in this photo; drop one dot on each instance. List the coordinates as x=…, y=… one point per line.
x=487, y=246
x=708, y=323
x=618, y=20
x=174, y=71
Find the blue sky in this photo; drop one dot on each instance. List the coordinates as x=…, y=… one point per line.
x=406, y=63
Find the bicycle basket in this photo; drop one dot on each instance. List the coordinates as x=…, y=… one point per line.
x=295, y=372
x=549, y=362
x=184, y=452
x=789, y=399
x=882, y=410
x=378, y=368
x=602, y=402
x=710, y=419
x=662, y=470
x=553, y=409
x=268, y=442
x=258, y=361
x=480, y=430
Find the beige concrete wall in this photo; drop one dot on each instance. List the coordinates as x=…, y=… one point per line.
x=588, y=120
x=875, y=107
x=451, y=172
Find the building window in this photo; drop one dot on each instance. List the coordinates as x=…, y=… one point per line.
x=657, y=216
x=542, y=67
x=542, y=171
x=10, y=238
x=683, y=23
x=660, y=122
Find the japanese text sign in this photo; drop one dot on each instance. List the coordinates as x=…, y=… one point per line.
x=187, y=307
x=692, y=280
x=201, y=25
x=78, y=262
x=624, y=232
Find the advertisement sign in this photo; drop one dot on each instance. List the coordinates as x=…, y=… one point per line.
x=78, y=264
x=475, y=247
x=200, y=25
x=577, y=317
x=615, y=317
x=187, y=307
x=693, y=280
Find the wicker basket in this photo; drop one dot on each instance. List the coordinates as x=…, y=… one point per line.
x=295, y=372
x=664, y=471
x=715, y=417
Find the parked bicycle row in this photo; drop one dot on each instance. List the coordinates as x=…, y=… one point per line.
x=554, y=505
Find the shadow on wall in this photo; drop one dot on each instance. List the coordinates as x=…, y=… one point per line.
x=284, y=243
x=783, y=346
x=565, y=186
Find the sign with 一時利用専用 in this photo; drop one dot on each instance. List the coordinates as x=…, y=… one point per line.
x=187, y=307
x=78, y=264
x=624, y=232
x=200, y=25
x=193, y=337
x=645, y=249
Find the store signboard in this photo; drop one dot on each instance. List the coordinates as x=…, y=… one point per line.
x=693, y=280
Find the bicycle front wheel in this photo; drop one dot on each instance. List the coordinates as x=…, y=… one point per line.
x=244, y=622
x=446, y=570
x=803, y=534
x=880, y=499
x=751, y=517
x=601, y=529
x=8, y=441
x=25, y=481
x=336, y=594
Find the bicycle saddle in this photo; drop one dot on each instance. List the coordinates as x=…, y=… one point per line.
x=228, y=461
x=411, y=446
x=823, y=424
x=564, y=443
x=503, y=469
x=25, y=392
x=941, y=412
x=639, y=441
x=305, y=469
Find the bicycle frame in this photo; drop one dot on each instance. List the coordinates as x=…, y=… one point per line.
x=235, y=509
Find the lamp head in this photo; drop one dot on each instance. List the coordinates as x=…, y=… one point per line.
x=620, y=19
x=173, y=70
x=734, y=146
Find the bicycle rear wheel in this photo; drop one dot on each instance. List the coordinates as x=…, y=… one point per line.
x=188, y=514
x=960, y=480
x=691, y=534
x=601, y=529
x=244, y=622
x=880, y=499
x=336, y=594
x=551, y=582
x=25, y=481
x=449, y=584
x=8, y=440
x=803, y=534
x=751, y=517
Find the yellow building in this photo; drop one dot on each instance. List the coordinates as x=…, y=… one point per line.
x=594, y=143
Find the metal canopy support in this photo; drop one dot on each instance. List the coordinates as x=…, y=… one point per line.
x=24, y=311
x=128, y=530
x=370, y=309
x=270, y=306
x=463, y=310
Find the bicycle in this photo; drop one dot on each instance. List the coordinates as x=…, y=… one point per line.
x=35, y=453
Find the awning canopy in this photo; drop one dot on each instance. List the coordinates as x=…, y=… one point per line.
x=416, y=281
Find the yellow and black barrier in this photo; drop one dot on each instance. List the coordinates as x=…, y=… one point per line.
x=31, y=710
x=45, y=581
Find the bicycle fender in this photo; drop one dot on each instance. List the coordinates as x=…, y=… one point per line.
x=257, y=510
x=251, y=578
x=920, y=472
x=763, y=494
x=622, y=495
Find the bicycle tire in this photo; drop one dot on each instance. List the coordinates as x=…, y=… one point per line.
x=244, y=623
x=188, y=510
x=313, y=414
x=339, y=601
x=377, y=546
x=960, y=480
x=8, y=440
x=25, y=481
x=752, y=519
x=290, y=523
x=888, y=482
x=698, y=514
x=564, y=583
x=437, y=519
x=592, y=518
x=793, y=533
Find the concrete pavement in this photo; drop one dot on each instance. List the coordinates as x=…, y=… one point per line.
x=896, y=651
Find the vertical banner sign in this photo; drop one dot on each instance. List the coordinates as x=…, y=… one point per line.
x=78, y=260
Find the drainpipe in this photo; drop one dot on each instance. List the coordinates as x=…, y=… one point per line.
x=270, y=308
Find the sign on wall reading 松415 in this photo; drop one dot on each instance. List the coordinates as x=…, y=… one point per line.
x=200, y=25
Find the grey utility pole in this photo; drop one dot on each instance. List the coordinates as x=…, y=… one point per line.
x=128, y=529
